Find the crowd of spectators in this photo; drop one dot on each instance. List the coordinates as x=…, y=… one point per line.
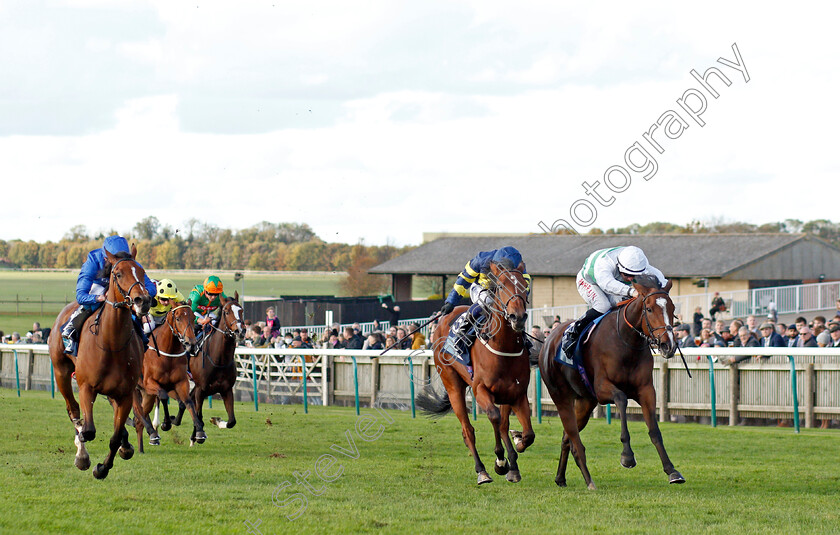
x=269, y=333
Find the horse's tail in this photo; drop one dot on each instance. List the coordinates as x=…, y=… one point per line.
x=432, y=403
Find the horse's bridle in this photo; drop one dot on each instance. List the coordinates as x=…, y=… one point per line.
x=175, y=332
x=651, y=339
x=126, y=302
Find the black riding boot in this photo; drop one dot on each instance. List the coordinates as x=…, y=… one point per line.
x=573, y=331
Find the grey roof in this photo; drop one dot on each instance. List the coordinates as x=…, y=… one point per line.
x=677, y=255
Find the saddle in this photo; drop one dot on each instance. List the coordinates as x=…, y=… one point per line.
x=576, y=359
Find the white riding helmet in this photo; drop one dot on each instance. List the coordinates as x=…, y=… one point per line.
x=632, y=261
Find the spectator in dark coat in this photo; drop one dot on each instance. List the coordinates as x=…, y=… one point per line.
x=684, y=337
x=351, y=339
x=769, y=336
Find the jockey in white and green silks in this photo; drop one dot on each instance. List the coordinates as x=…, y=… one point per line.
x=604, y=280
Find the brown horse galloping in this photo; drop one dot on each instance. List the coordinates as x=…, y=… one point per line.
x=109, y=359
x=501, y=374
x=165, y=372
x=618, y=361
x=214, y=369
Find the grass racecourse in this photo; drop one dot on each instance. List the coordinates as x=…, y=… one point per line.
x=410, y=476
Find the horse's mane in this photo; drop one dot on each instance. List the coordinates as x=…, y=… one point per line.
x=648, y=281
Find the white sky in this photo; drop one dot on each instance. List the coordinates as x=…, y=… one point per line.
x=381, y=120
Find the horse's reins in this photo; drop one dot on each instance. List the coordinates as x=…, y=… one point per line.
x=175, y=332
x=651, y=340
x=125, y=303
x=501, y=311
x=228, y=332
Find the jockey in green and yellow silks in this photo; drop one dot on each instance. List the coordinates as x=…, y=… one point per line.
x=207, y=299
x=166, y=295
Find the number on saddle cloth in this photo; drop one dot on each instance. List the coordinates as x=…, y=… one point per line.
x=577, y=357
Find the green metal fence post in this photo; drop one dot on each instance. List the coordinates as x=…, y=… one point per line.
x=474, y=409
x=795, y=396
x=712, y=383
x=52, y=380
x=538, y=395
x=254, y=374
x=411, y=384
x=17, y=372
x=305, y=398
x=609, y=413
x=356, y=382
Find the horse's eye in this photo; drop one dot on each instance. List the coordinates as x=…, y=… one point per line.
x=648, y=309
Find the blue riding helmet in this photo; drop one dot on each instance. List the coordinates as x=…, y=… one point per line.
x=116, y=244
x=508, y=257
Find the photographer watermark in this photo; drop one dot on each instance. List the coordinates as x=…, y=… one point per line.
x=639, y=157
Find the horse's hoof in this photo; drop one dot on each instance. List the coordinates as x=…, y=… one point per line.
x=560, y=482
x=675, y=477
x=484, y=477
x=100, y=472
x=88, y=435
x=628, y=462
x=591, y=486
x=154, y=440
x=82, y=463
x=165, y=426
x=126, y=453
x=513, y=476
x=200, y=437
x=502, y=468
x=192, y=443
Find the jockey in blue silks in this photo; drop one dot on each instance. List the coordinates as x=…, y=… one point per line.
x=474, y=281
x=90, y=290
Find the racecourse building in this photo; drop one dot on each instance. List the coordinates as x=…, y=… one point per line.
x=696, y=263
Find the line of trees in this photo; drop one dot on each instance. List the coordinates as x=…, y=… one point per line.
x=264, y=246
x=821, y=228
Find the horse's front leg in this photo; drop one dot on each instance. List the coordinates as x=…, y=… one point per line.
x=512, y=472
x=628, y=459
x=523, y=439
x=227, y=397
x=647, y=399
x=485, y=400
x=182, y=393
x=119, y=440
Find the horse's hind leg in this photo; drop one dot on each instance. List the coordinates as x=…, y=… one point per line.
x=63, y=380
x=227, y=397
x=459, y=407
x=485, y=400
x=119, y=440
x=182, y=407
x=571, y=440
x=198, y=396
x=628, y=459
x=647, y=399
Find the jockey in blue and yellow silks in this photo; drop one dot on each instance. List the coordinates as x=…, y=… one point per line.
x=474, y=282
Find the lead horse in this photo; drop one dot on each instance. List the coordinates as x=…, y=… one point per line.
x=213, y=367
x=501, y=373
x=109, y=359
x=617, y=360
x=165, y=373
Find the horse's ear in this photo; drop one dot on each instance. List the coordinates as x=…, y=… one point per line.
x=133, y=250
x=111, y=258
x=668, y=286
x=521, y=267
x=236, y=295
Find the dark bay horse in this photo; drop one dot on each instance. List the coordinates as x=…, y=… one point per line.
x=617, y=359
x=165, y=372
x=109, y=360
x=213, y=367
x=501, y=373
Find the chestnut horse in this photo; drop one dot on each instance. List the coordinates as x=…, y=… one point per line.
x=109, y=359
x=501, y=373
x=165, y=371
x=618, y=362
x=213, y=367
